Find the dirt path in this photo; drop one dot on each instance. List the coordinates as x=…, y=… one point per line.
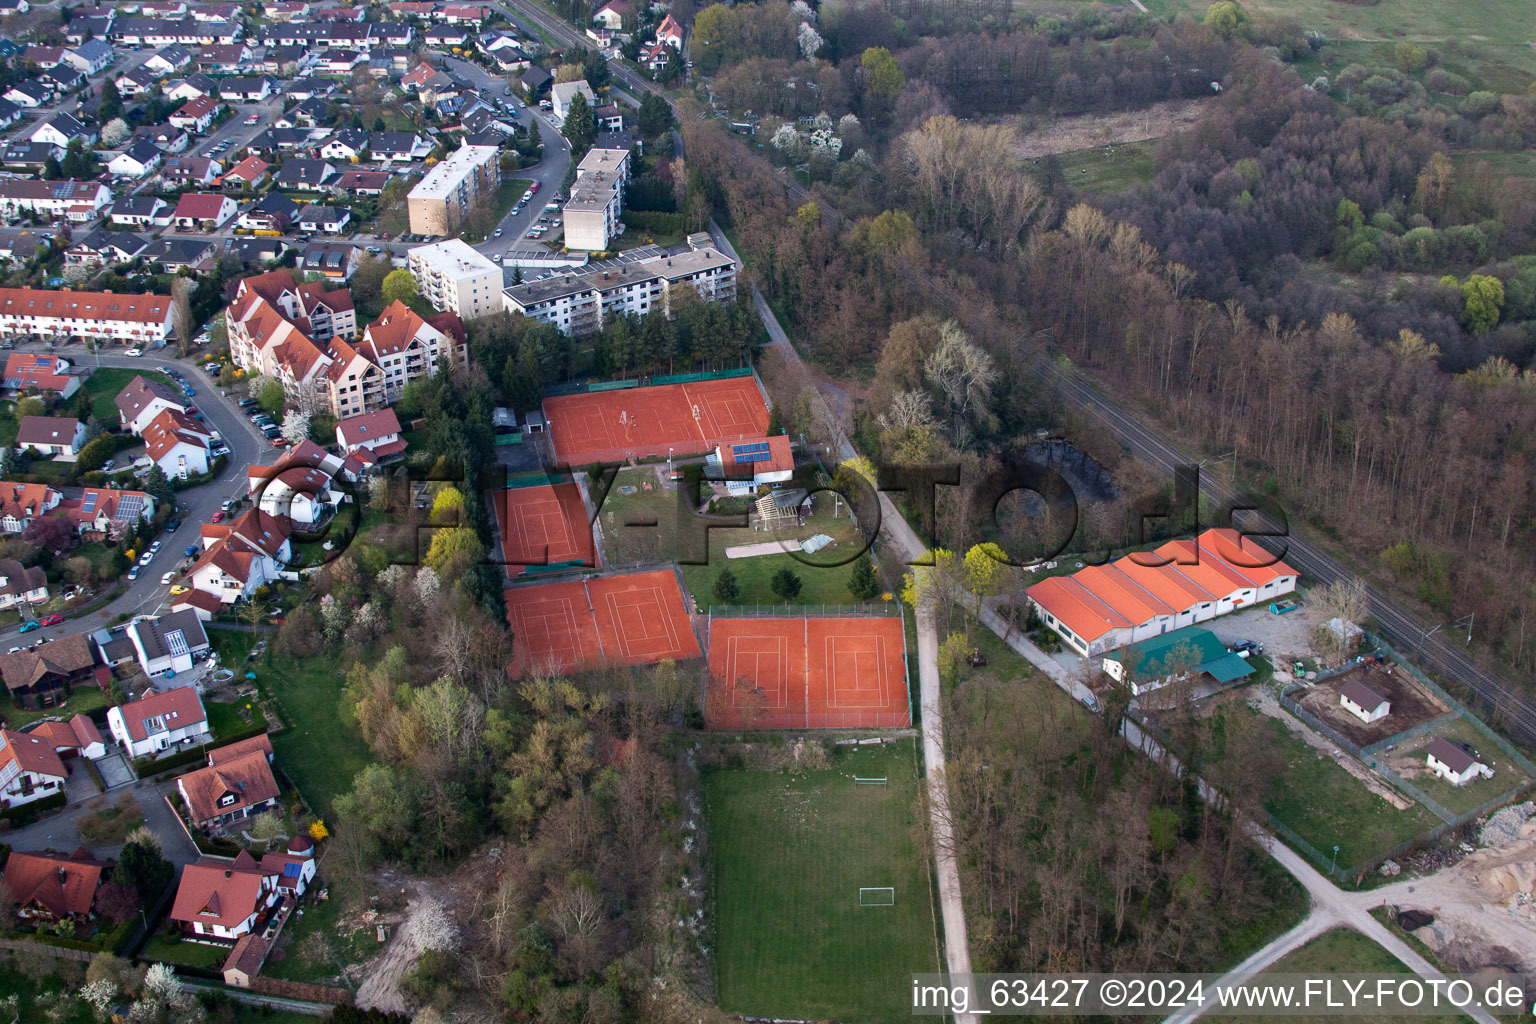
x=1070, y=134
x=380, y=989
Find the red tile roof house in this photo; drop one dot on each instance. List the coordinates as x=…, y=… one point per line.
x=76, y=737
x=220, y=899
x=142, y=400
x=229, y=790
x=21, y=584
x=53, y=436
x=251, y=171
x=25, y=371
x=375, y=435
x=29, y=769
x=241, y=556
x=22, y=503
x=196, y=115
x=203, y=210
x=160, y=722
x=49, y=887
x=178, y=444
x=102, y=513
x=300, y=485
x=747, y=465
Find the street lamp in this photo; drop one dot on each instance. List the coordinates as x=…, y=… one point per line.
x=1335, y=865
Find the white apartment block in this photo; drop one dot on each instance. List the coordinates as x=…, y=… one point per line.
x=581, y=303
x=591, y=215
x=451, y=189
x=457, y=279
x=105, y=316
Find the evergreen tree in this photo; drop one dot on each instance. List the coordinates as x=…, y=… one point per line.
x=786, y=583
x=111, y=102
x=51, y=169
x=726, y=589
x=863, y=583
x=655, y=116
x=580, y=124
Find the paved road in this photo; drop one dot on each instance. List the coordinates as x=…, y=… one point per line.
x=549, y=172
x=957, y=950
x=195, y=506
x=61, y=832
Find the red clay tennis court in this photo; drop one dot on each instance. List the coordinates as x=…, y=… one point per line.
x=807, y=673
x=611, y=426
x=635, y=619
x=544, y=525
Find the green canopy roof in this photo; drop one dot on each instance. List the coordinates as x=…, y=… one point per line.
x=1149, y=658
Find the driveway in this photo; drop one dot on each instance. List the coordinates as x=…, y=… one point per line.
x=61, y=832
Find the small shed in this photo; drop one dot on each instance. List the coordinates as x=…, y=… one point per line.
x=534, y=422
x=1453, y=762
x=1363, y=702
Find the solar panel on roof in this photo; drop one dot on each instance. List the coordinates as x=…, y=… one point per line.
x=88, y=506
x=291, y=870
x=129, y=507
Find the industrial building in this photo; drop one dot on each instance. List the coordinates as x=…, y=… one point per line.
x=1148, y=593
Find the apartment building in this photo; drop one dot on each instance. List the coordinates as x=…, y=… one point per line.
x=450, y=190
x=582, y=302
x=105, y=316
x=591, y=215
x=456, y=279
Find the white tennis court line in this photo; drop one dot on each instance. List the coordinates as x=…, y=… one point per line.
x=735, y=656
x=668, y=632
x=526, y=617
x=880, y=686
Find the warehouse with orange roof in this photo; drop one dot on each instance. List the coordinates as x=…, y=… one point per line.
x=1148, y=593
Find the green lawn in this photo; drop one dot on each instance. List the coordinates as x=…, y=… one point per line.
x=1484, y=23
x=313, y=948
x=9, y=424
x=105, y=382
x=317, y=751
x=1342, y=951
x=818, y=584
x=83, y=699
x=790, y=853
x=1326, y=805
x=225, y=719
x=1106, y=169
x=198, y=954
x=1507, y=775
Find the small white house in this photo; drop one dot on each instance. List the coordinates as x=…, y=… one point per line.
x=1363, y=702
x=57, y=437
x=160, y=721
x=1454, y=763
x=29, y=768
x=166, y=645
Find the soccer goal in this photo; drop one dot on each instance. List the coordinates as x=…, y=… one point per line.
x=859, y=780
x=877, y=896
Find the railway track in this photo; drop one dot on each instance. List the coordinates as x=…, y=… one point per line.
x=1512, y=710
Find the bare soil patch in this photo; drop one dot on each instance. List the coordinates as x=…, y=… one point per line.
x=1070, y=134
x=1411, y=703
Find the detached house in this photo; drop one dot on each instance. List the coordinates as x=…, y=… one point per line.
x=142, y=401
x=160, y=721
x=328, y=220
x=45, y=675
x=241, y=556
x=48, y=888
x=273, y=212
x=300, y=486
x=28, y=371
x=1453, y=762
x=203, y=211
x=374, y=436
x=140, y=212
x=137, y=161
x=166, y=645
x=21, y=585
x=29, y=769
x=22, y=503
x=197, y=115
x=249, y=173
x=53, y=436
x=224, y=899
x=192, y=171
x=106, y=512
x=63, y=128
x=232, y=787
x=178, y=444
x=311, y=175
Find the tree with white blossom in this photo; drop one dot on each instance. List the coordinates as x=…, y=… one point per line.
x=296, y=427
x=787, y=141
x=810, y=41
x=803, y=10
x=428, y=583
x=115, y=132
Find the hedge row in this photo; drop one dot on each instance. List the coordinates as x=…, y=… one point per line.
x=150, y=765
x=26, y=814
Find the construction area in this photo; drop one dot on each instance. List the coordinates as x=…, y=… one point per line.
x=1411, y=704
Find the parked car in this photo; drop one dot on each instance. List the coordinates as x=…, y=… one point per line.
x=165, y=580
x=279, y=442
x=179, y=589
x=133, y=573
x=146, y=558
x=497, y=233
x=29, y=626
x=217, y=517
x=173, y=525
x=53, y=620
x=134, y=352
x=108, y=465
x=154, y=547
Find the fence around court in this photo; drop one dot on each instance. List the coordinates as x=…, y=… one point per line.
x=869, y=610
x=536, y=480
x=584, y=387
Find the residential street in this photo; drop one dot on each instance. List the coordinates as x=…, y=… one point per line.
x=195, y=506
x=61, y=833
